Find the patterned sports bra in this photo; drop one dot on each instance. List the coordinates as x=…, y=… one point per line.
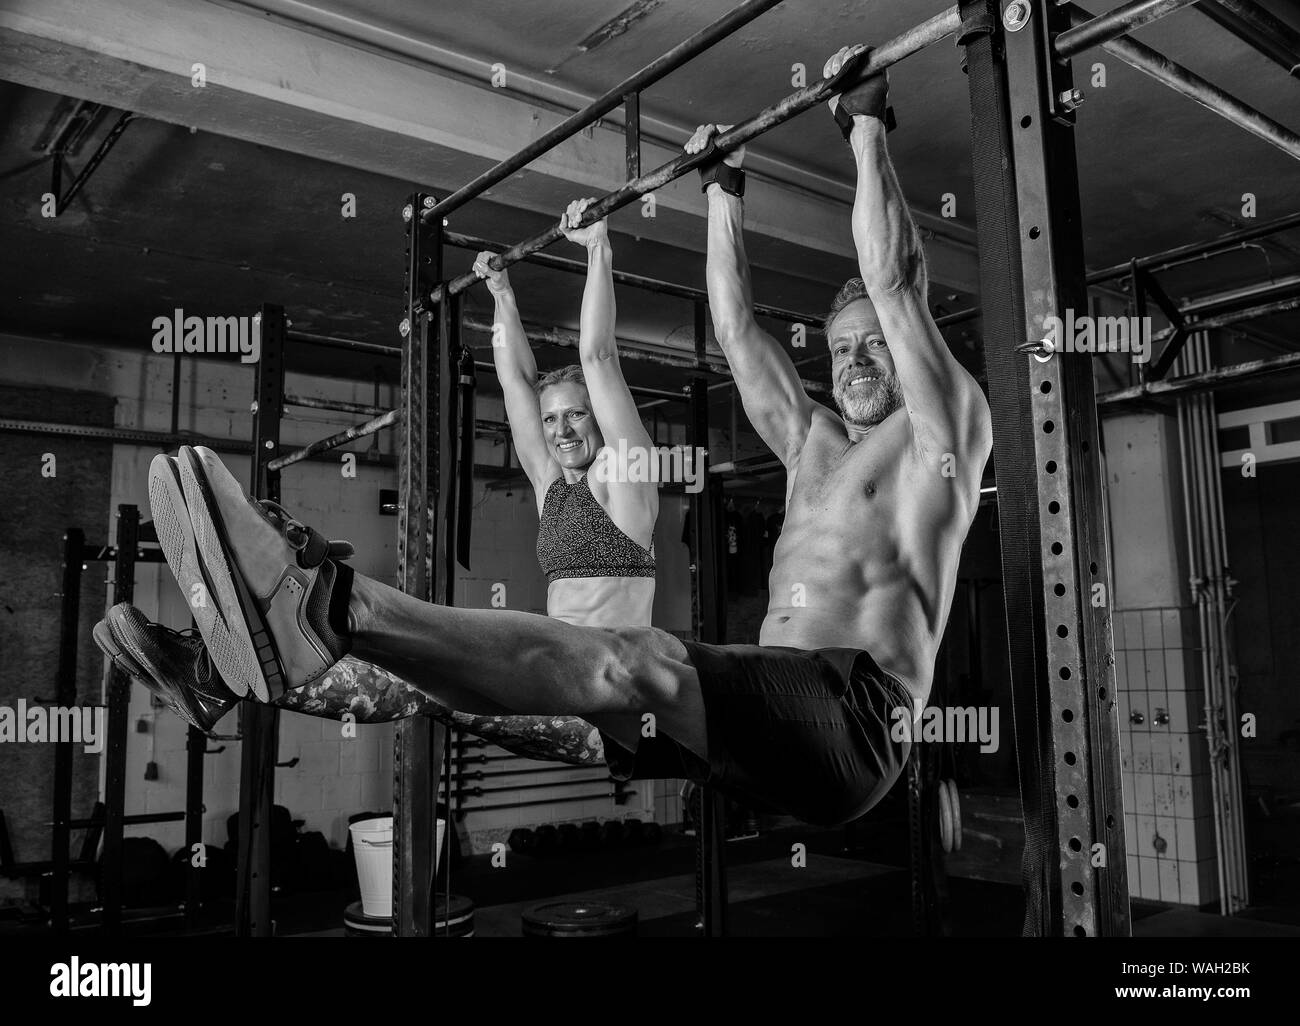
x=577, y=538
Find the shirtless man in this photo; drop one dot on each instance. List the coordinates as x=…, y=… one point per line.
x=880, y=499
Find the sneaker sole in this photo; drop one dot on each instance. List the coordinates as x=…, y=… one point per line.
x=259, y=663
x=110, y=647
x=134, y=646
x=177, y=538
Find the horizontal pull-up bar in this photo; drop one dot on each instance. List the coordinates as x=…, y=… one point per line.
x=1208, y=95
x=334, y=405
x=636, y=281
x=709, y=365
x=657, y=394
x=642, y=352
x=1198, y=250
x=1121, y=20
x=1288, y=363
x=1225, y=320
x=535, y=337
x=334, y=441
x=1257, y=27
x=882, y=57
x=1217, y=302
x=351, y=344
x=140, y=819
x=598, y=108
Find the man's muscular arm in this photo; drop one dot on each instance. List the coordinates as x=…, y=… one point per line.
x=947, y=409
x=774, y=400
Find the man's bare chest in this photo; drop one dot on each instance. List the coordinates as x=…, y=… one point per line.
x=836, y=474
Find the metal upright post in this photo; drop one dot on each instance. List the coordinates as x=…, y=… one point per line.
x=712, y=828
x=460, y=485
x=119, y=700
x=259, y=725
x=74, y=542
x=268, y=406
x=702, y=502
x=425, y=457
x=632, y=134
x=196, y=746
x=1046, y=446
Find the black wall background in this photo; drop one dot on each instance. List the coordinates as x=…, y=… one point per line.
x=1263, y=528
x=34, y=513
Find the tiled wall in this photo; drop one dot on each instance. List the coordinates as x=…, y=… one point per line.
x=1168, y=807
x=1168, y=813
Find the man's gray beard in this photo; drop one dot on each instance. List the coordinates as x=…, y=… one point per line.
x=869, y=410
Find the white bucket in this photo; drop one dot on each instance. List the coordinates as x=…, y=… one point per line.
x=372, y=843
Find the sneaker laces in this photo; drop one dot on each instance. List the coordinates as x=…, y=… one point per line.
x=299, y=534
x=204, y=669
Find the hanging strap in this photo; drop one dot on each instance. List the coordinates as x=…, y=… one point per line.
x=465, y=456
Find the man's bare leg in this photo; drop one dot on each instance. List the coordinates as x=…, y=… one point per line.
x=288, y=614
x=483, y=661
x=371, y=694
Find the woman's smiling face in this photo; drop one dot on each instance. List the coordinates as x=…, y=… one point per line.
x=568, y=424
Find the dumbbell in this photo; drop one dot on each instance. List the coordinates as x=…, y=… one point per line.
x=522, y=841
x=612, y=833
x=570, y=836
x=589, y=835
x=548, y=839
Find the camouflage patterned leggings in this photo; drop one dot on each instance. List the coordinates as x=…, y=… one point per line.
x=373, y=695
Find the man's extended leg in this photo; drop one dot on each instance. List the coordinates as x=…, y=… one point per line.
x=292, y=613
x=176, y=667
x=529, y=663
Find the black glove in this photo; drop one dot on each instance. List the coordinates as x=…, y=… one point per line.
x=868, y=97
x=730, y=179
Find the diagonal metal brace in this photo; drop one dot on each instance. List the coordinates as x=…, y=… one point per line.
x=1144, y=283
x=88, y=169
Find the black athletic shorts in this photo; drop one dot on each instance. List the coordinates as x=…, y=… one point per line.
x=806, y=733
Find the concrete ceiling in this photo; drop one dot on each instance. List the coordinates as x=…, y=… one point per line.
x=1150, y=178
x=246, y=209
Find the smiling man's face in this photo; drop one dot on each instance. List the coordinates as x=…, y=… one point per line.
x=866, y=388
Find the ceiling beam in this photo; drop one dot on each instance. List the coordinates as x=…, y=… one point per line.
x=279, y=85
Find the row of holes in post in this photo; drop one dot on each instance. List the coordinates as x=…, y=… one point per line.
x=1062, y=631
x=1075, y=844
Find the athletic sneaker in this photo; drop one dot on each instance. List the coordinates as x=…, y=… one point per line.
x=174, y=665
x=176, y=537
x=280, y=599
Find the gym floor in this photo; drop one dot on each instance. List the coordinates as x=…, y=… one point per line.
x=861, y=893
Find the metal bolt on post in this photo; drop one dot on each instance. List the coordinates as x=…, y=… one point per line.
x=1016, y=16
